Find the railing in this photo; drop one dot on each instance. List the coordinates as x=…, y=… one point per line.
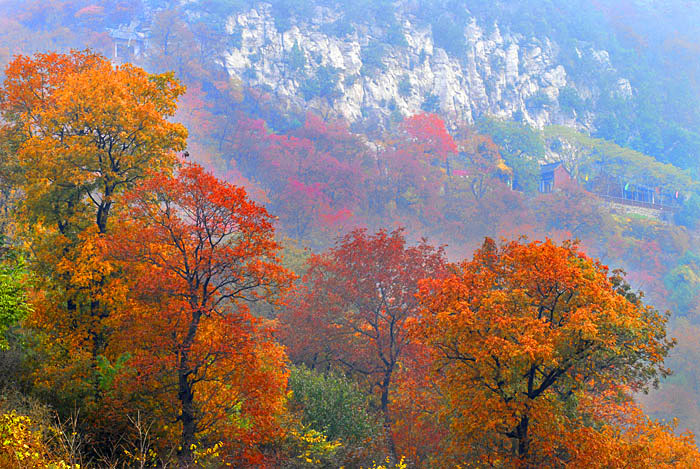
x=638, y=203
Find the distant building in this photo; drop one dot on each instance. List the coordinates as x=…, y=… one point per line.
x=624, y=190
x=129, y=41
x=621, y=192
x=553, y=176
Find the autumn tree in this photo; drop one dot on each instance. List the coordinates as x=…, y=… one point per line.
x=197, y=251
x=571, y=209
x=82, y=131
x=624, y=437
x=88, y=127
x=355, y=304
x=483, y=164
x=332, y=137
x=521, y=146
x=522, y=333
x=312, y=180
x=410, y=184
x=173, y=45
x=429, y=130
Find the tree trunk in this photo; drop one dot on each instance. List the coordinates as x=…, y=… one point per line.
x=187, y=417
x=523, y=441
x=185, y=395
x=388, y=435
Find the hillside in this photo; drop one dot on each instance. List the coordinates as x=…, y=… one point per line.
x=625, y=71
x=615, y=71
x=217, y=213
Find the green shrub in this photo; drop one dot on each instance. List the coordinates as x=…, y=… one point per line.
x=570, y=101
x=351, y=80
x=689, y=213
x=284, y=10
x=323, y=83
x=250, y=74
x=295, y=58
x=521, y=147
x=405, y=87
x=332, y=404
x=13, y=301
x=372, y=57
x=339, y=28
x=237, y=38
x=431, y=103
x=395, y=35
x=449, y=35
x=538, y=101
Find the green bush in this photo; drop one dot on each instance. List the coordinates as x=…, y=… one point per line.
x=237, y=39
x=683, y=283
x=363, y=11
x=295, y=58
x=13, y=301
x=431, y=103
x=449, y=35
x=570, y=101
x=689, y=213
x=284, y=10
x=405, y=87
x=538, y=101
x=250, y=74
x=351, y=80
x=340, y=28
x=521, y=147
x=372, y=57
x=323, y=83
x=332, y=404
x=395, y=35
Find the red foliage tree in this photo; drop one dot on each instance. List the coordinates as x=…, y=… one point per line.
x=520, y=330
x=310, y=178
x=429, y=130
x=353, y=310
x=203, y=251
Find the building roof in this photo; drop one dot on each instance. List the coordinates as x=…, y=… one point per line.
x=546, y=168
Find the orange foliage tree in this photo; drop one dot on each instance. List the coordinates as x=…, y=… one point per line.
x=520, y=335
x=82, y=132
x=197, y=250
x=624, y=437
x=354, y=307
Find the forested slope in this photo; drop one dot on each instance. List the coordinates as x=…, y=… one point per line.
x=311, y=120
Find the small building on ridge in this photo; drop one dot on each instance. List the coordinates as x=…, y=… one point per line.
x=553, y=176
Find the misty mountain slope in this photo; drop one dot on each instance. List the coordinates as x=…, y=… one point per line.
x=622, y=71
x=380, y=73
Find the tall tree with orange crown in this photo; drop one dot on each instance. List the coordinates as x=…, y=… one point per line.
x=520, y=336
x=197, y=251
x=83, y=131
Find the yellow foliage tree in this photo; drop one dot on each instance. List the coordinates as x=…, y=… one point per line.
x=81, y=131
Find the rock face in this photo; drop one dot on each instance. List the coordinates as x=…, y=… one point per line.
x=353, y=76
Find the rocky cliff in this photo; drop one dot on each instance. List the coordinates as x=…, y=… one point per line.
x=356, y=76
